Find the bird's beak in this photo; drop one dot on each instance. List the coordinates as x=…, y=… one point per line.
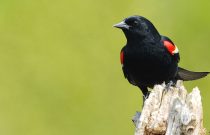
x=121, y=25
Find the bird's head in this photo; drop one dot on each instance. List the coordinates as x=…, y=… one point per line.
x=138, y=28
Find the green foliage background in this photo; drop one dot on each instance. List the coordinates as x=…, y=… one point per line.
x=59, y=62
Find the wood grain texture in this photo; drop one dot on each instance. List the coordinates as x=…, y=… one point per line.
x=171, y=111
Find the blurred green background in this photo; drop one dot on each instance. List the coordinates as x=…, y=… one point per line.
x=60, y=72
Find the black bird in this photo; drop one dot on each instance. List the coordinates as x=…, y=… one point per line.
x=149, y=58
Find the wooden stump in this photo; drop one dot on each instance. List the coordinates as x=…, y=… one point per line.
x=171, y=111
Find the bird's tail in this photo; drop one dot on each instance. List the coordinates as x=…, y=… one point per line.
x=187, y=75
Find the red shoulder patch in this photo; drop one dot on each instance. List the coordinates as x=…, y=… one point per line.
x=122, y=57
x=170, y=47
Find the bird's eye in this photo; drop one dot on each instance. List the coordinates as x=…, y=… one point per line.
x=135, y=23
x=132, y=23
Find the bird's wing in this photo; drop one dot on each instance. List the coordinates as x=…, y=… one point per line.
x=170, y=47
x=122, y=60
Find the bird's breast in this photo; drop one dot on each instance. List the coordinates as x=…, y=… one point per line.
x=148, y=61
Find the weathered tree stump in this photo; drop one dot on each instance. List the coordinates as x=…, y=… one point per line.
x=171, y=111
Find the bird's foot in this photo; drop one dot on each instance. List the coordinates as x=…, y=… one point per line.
x=145, y=97
x=170, y=84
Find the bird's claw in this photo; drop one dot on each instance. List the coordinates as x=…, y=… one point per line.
x=170, y=84
x=145, y=97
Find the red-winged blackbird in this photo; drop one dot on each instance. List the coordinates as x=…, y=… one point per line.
x=149, y=58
